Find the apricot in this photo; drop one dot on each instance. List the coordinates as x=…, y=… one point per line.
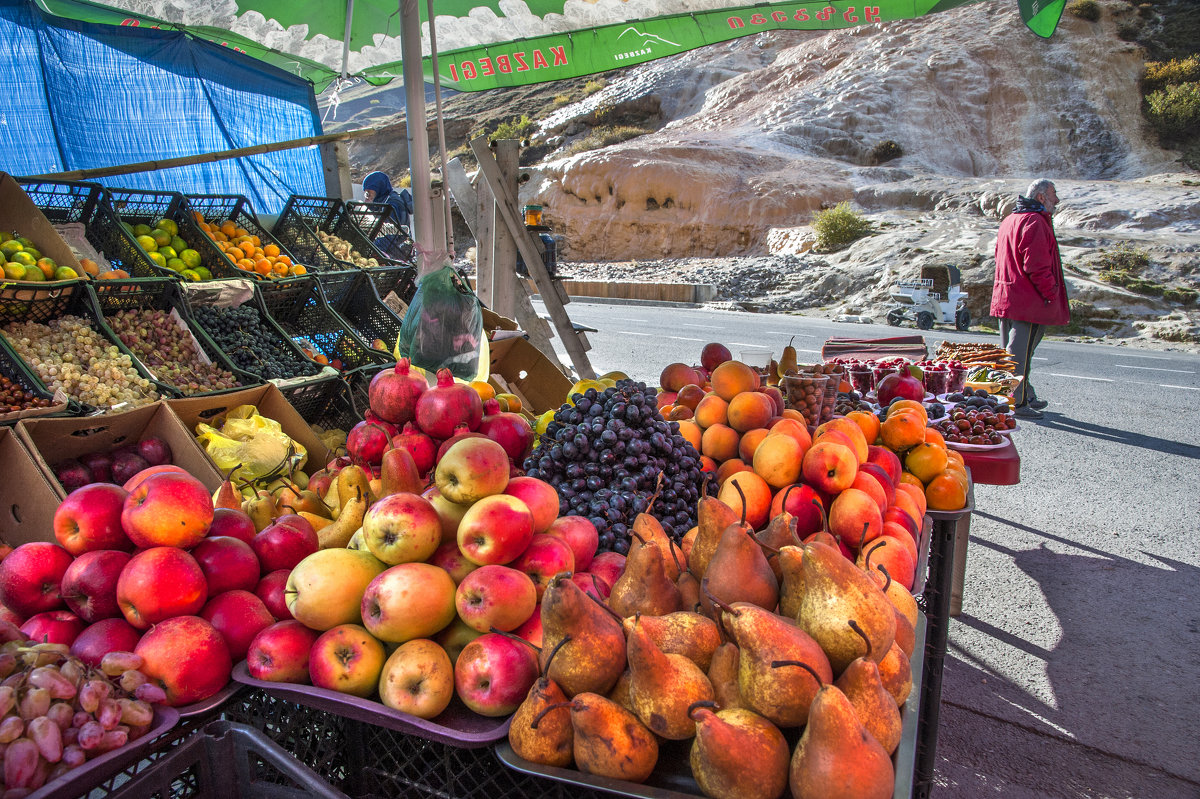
x=851, y=430
x=750, y=441
x=712, y=410
x=925, y=461
x=731, y=467
x=798, y=499
x=732, y=378
x=750, y=409
x=855, y=517
x=677, y=375
x=794, y=415
x=719, y=442
x=690, y=395
x=757, y=504
x=868, y=423
x=902, y=430
x=870, y=485
x=777, y=460
x=795, y=429
x=946, y=492
x=776, y=397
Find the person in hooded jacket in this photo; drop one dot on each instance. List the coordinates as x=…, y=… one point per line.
x=377, y=188
x=1029, y=291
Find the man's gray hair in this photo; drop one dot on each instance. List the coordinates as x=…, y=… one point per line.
x=1040, y=186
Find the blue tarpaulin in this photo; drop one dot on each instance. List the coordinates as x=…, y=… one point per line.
x=77, y=95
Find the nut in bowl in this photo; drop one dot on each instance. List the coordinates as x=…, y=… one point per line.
x=806, y=393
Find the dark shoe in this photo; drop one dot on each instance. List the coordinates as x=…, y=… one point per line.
x=1026, y=412
x=1038, y=404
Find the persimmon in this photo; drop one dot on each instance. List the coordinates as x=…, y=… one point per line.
x=945, y=492
x=902, y=430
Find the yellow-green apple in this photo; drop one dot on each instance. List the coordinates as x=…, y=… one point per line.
x=280, y=652
x=608, y=566
x=591, y=583
x=167, y=509
x=855, y=518
x=418, y=679
x=890, y=462
x=495, y=530
x=829, y=466
x=450, y=557
x=409, y=600
x=580, y=534
x=493, y=674
x=545, y=557
x=326, y=588
x=159, y=583
x=228, y=564
x=90, y=518
x=346, y=659
x=31, y=578
x=238, y=616
x=539, y=496
x=882, y=477
x=455, y=636
x=232, y=523
x=531, y=630
x=271, y=589
x=53, y=627
x=284, y=543
x=102, y=637
x=797, y=499
x=357, y=541
x=869, y=485
x=472, y=469
x=89, y=585
x=186, y=657
x=145, y=474
x=450, y=513
x=892, y=555
x=402, y=528
x=495, y=597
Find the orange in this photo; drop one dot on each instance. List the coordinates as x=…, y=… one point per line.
x=757, y=504
x=280, y=270
x=925, y=461
x=298, y=270
x=271, y=249
x=286, y=260
x=719, y=442
x=946, y=492
x=902, y=429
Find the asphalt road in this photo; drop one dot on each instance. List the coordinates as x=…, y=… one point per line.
x=1072, y=671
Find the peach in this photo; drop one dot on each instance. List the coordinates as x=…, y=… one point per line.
x=776, y=396
x=757, y=504
x=750, y=441
x=777, y=460
x=677, y=413
x=892, y=529
x=795, y=429
x=925, y=461
x=794, y=415
x=892, y=555
x=906, y=503
x=851, y=430
x=883, y=478
x=691, y=432
x=731, y=378
x=712, y=410
x=749, y=410
x=917, y=493
x=731, y=467
x=855, y=517
x=677, y=375
x=866, y=483
x=690, y=396
x=829, y=466
x=888, y=460
x=720, y=442
x=798, y=500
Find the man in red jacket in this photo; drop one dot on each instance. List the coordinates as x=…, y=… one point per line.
x=1029, y=291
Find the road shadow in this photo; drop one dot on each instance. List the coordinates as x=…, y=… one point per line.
x=1065, y=424
x=1121, y=675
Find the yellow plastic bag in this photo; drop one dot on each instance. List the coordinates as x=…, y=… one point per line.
x=251, y=443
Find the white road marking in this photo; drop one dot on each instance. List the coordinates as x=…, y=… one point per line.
x=682, y=338
x=1081, y=377
x=631, y=333
x=1040, y=359
x=686, y=324
x=1154, y=368
x=625, y=319
x=744, y=344
x=788, y=333
x=1138, y=355
x=1186, y=388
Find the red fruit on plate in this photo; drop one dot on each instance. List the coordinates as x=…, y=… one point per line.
x=106, y=635
x=187, y=658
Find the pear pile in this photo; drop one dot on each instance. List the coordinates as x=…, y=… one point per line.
x=738, y=643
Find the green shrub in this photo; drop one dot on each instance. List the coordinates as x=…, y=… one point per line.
x=605, y=137
x=885, y=151
x=1122, y=259
x=593, y=86
x=1084, y=9
x=1175, y=111
x=1129, y=30
x=515, y=128
x=838, y=226
x=1160, y=74
x=560, y=100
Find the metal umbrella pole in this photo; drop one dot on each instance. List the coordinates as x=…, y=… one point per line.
x=418, y=137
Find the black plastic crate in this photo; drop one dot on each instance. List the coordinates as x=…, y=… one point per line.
x=342, y=408
x=306, y=316
x=163, y=294
x=216, y=208
x=377, y=220
x=66, y=202
x=16, y=370
x=367, y=314
x=135, y=206
x=312, y=398
x=401, y=280
x=303, y=217
x=337, y=284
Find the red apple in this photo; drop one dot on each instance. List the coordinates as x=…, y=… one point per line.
x=545, y=557
x=531, y=630
x=283, y=544
x=581, y=535
x=167, y=509
x=450, y=557
x=495, y=530
x=472, y=469
x=900, y=517
x=495, y=596
x=593, y=584
x=186, y=657
x=608, y=566
x=270, y=590
x=346, y=659
x=233, y=524
x=409, y=600
x=150, y=471
x=89, y=585
x=90, y=518
x=228, y=564
x=882, y=456
x=158, y=584
x=31, y=578
x=238, y=616
x=803, y=503
x=539, y=496
x=494, y=673
x=7, y=614
x=402, y=528
x=280, y=652
x=54, y=627
x=106, y=635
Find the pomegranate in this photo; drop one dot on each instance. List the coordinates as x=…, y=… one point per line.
x=393, y=394
x=900, y=386
x=419, y=445
x=367, y=441
x=447, y=405
x=509, y=430
x=460, y=433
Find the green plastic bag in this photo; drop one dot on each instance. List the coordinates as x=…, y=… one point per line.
x=443, y=327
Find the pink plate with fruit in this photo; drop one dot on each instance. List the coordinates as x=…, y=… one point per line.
x=977, y=447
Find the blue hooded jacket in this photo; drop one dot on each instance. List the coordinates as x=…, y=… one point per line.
x=401, y=201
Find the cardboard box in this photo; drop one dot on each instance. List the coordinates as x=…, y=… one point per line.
x=27, y=500
x=270, y=403
x=529, y=374
x=52, y=440
x=19, y=214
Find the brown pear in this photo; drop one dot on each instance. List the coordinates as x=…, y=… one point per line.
x=610, y=741
x=712, y=517
x=227, y=496
x=663, y=687
x=620, y=692
x=895, y=671
x=594, y=656
x=780, y=532
x=689, y=591
x=738, y=572
x=541, y=730
x=897, y=594
x=727, y=743
x=723, y=674
x=780, y=667
x=836, y=757
x=836, y=591
x=906, y=636
x=876, y=709
x=681, y=633
x=644, y=586
x=791, y=587
x=647, y=528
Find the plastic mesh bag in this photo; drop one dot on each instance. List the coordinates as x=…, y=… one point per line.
x=443, y=327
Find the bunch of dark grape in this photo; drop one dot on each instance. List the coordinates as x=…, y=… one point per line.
x=252, y=346
x=57, y=713
x=604, y=455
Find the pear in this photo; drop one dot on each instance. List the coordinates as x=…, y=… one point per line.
x=662, y=687
x=874, y=706
x=681, y=633
x=689, y=591
x=727, y=743
x=620, y=692
x=738, y=572
x=610, y=741
x=723, y=674
x=712, y=517
x=644, y=587
x=906, y=636
x=836, y=757
x=780, y=532
x=791, y=586
x=594, y=655
x=541, y=730
x=770, y=649
x=897, y=594
x=836, y=591
x=646, y=528
x=895, y=670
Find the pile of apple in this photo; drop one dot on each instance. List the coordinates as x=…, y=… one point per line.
x=151, y=567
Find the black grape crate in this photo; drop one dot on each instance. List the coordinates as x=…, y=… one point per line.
x=147, y=207
x=401, y=280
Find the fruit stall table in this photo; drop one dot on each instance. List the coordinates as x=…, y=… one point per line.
x=1001, y=467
